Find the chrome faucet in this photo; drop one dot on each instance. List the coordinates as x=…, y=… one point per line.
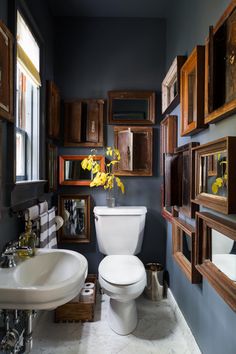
x=10, y=252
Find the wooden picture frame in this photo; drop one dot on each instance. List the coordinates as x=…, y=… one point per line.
x=52, y=163
x=84, y=123
x=172, y=180
x=188, y=208
x=169, y=126
x=206, y=262
x=167, y=213
x=224, y=200
x=132, y=107
x=220, y=73
x=53, y=110
x=183, y=248
x=6, y=73
x=75, y=210
x=136, y=148
x=76, y=175
x=192, y=92
x=170, y=87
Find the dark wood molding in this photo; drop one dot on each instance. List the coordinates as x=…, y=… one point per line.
x=170, y=213
x=168, y=137
x=53, y=110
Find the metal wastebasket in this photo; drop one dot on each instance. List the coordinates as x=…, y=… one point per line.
x=155, y=283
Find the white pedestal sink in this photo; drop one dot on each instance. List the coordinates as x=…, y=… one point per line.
x=49, y=279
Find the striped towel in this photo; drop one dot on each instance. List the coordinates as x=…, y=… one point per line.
x=52, y=236
x=44, y=241
x=43, y=207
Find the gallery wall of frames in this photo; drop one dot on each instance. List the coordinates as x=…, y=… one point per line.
x=196, y=176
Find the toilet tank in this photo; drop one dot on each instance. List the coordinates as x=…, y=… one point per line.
x=120, y=230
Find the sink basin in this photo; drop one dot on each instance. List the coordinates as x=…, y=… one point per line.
x=49, y=279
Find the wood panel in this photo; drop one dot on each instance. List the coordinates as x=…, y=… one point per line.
x=53, y=110
x=168, y=137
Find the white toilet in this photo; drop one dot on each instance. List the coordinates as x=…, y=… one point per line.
x=121, y=274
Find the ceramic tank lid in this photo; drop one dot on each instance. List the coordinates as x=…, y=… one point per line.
x=124, y=210
x=121, y=269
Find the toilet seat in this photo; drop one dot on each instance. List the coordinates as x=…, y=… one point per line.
x=122, y=270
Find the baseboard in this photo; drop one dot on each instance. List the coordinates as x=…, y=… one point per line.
x=182, y=323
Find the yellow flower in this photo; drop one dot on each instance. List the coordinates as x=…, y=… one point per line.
x=214, y=188
x=96, y=168
x=84, y=163
x=109, y=151
x=219, y=182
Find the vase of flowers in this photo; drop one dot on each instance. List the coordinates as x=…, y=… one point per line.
x=107, y=178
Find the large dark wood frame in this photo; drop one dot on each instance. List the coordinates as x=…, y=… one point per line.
x=169, y=126
x=211, y=116
x=225, y=287
x=6, y=58
x=64, y=158
x=52, y=169
x=61, y=199
x=178, y=228
x=53, y=110
x=73, y=131
x=148, y=131
x=188, y=179
x=218, y=203
x=195, y=62
x=149, y=96
x=168, y=215
x=172, y=77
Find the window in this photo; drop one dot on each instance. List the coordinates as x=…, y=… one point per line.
x=27, y=103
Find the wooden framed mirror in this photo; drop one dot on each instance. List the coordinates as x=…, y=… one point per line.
x=75, y=210
x=216, y=188
x=169, y=127
x=71, y=172
x=132, y=107
x=168, y=213
x=183, y=241
x=216, y=254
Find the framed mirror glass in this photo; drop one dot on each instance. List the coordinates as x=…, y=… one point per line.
x=75, y=210
x=72, y=173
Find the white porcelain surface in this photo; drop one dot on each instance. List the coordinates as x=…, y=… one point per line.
x=158, y=332
x=120, y=230
x=49, y=279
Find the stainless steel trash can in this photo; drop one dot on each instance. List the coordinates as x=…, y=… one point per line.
x=155, y=288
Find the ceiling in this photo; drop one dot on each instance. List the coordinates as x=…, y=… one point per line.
x=109, y=8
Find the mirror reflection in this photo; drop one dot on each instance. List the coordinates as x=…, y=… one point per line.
x=74, y=171
x=74, y=218
x=186, y=245
x=223, y=253
x=214, y=174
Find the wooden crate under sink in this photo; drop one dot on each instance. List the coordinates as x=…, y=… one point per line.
x=77, y=310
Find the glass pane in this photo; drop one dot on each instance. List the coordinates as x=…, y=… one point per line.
x=186, y=245
x=20, y=154
x=74, y=171
x=214, y=174
x=123, y=109
x=74, y=217
x=223, y=253
x=192, y=96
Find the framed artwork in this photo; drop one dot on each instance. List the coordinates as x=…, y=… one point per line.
x=216, y=189
x=220, y=72
x=6, y=73
x=183, y=241
x=215, y=254
x=71, y=172
x=132, y=107
x=171, y=85
x=75, y=210
x=52, y=167
x=169, y=126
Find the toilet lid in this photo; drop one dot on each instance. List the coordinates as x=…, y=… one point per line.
x=121, y=269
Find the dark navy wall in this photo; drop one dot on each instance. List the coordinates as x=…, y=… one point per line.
x=96, y=55
x=209, y=317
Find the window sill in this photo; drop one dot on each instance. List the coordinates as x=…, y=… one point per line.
x=27, y=193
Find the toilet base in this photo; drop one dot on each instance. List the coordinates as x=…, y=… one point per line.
x=122, y=316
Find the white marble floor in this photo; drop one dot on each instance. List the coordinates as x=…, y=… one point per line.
x=158, y=332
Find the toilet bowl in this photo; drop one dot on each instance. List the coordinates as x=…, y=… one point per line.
x=123, y=279
x=121, y=273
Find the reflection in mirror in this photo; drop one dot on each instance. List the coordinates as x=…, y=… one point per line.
x=75, y=211
x=214, y=179
x=186, y=245
x=223, y=253
x=72, y=173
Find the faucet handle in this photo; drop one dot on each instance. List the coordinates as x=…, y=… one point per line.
x=10, y=248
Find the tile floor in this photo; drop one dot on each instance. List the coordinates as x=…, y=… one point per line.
x=158, y=332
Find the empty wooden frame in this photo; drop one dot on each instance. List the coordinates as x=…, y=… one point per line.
x=216, y=191
x=183, y=241
x=192, y=92
x=220, y=87
x=132, y=107
x=71, y=172
x=171, y=85
x=167, y=212
x=173, y=167
x=6, y=73
x=169, y=126
x=53, y=110
x=75, y=210
x=136, y=149
x=215, y=255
